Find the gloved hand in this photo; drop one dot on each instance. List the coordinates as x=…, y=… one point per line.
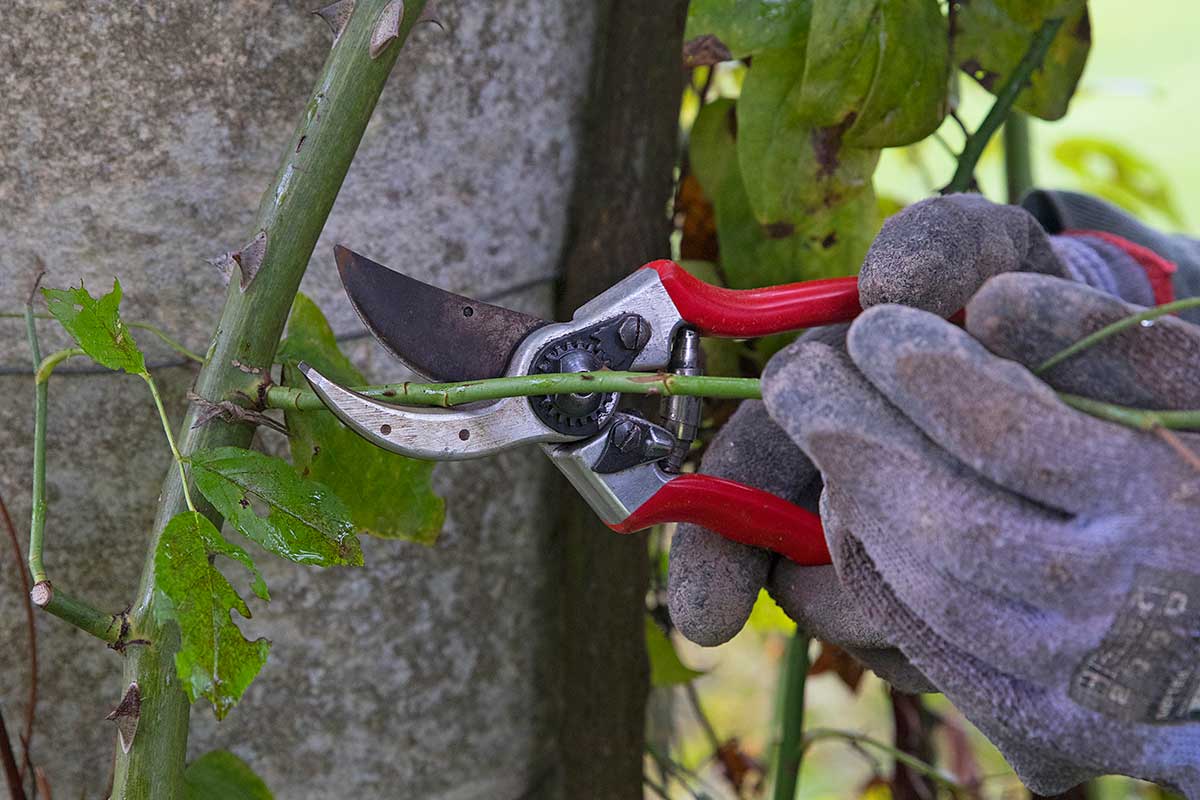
x=933, y=255
x=1038, y=565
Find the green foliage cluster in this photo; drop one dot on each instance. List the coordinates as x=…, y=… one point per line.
x=309, y=512
x=788, y=165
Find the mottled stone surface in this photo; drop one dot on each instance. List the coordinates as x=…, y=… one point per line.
x=137, y=141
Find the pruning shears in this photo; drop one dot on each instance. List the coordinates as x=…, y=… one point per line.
x=626, y=467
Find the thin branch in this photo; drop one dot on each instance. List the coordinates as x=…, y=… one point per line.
x=790, y=754
x=913, y=763
x=16, y=787
x=43, y=594
x=1109, y=330
x=22, y=571
x=1138, y=418
x=964, y=176
x=446, y=395
x=37, y=523
x=46, y=367
x=109, y=628
x=705, y=723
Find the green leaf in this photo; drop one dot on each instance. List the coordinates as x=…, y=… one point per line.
x=665, y=667
x=830, y=242
x=791, y=167
x=305, y=523
x=768, y=616
x=220, y=775
x=389, y=496
x=214, y=660
x=877, y=68
x=991, y=36
x=1114, y=172
x=748, y=27
x=96, y=326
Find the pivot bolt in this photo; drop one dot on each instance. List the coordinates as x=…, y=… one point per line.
x=634, y=332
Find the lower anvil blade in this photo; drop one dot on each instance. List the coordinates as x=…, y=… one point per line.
x=440, y=335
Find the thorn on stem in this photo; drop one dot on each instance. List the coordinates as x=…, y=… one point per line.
x=126, y=716
x=387, y=28
x=336, y=15
x=248, y=260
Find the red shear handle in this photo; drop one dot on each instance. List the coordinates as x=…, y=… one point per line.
x=743, y=313
x=737, y=512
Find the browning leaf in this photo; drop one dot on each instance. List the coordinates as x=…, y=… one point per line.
x=835, y=659
x=991, y=36
x=792, y=166
x=881, y=64
x=828, y=242
x=704, y=51
x=747, y=27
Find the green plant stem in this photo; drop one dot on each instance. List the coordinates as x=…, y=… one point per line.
x=46, y=366
x=166, y=426
x=1110, y=330
x=44, y=594
x=1018, y=162
x=907, y=759
x=446, y=395
x=790, y=695
x=964, y=175
x=292, y=213
x=1139, y=418
x=37, y=522
x=105, y=627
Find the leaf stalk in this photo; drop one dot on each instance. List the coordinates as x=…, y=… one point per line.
x=166, y=426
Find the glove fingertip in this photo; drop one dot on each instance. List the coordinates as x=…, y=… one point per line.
x=712, y=584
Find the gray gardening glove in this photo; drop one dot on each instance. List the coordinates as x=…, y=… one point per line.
x=1071, y=211
x=932, y=255
x=1038, y=565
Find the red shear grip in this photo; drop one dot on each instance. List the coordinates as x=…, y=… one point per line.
x=744, y=313
x=738, y=512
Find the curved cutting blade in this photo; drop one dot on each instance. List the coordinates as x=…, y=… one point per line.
x=440, y=335
x=432, y=434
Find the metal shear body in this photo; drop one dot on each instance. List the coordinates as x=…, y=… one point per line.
x=625, y=467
